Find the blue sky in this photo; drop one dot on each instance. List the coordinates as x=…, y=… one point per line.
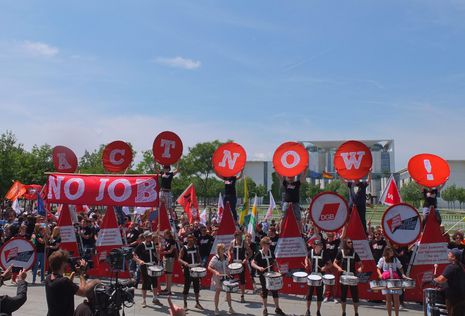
x=83, y=73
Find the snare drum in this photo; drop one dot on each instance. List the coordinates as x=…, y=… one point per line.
x=230, y=286
x=314, y=280
x=408, y=284
x=377, y=285
x=274, y=281
x=329, y=279
x=350, y=280
x=198, y=272
x=394, y=284
x=299, y=277
x=155, y=271
x=235, y=268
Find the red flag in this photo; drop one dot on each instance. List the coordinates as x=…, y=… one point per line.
x=16, y=191
x=32, y=191
x=188, y=200
x=164, y=220
x=220, y=207
x=391, y=194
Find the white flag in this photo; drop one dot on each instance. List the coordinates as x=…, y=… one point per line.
x=203, y=217
x=269, y=212
x=220, y=207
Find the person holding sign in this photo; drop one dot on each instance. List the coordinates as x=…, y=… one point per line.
x=430, y=201
x=388, y=266
x=230, y=193
x=145, y=255
x=263, y=262
x=359, y=198
x=318, y=262
x=345, y=263
x=291, y=187
x=166, y=178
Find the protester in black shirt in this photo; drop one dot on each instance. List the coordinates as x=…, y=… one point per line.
x=145, y=255
x=205, y=243
x=377, y=245
x=60, y=290
x=274, y=237
x=38, y=239
x=263, y=262
x=10, y=304
x=292, y=196
x=345, y=263
x=239, y=253
x=430, y=200
x=88, y=235
x=189, y=257
x=230, y=193
x=317, y=262
x=166, y=178
x=331, y=249
x=454, y=276
x=457, y=241
x=359, y=198
x=169, y=253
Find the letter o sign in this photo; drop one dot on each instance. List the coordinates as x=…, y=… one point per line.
x=290, y=159
x=167, y=148
x=64, y=159
x=117, y=156
x=229, y=159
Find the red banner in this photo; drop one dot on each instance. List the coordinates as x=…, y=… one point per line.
x=137, y=190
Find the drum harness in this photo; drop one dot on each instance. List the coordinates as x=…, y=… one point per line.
x=237, y=250
x=314, y=256
x=149, y=249
x=267, y=258
x=348, y=258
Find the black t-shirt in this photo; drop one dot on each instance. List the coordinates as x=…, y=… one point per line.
x=143, y=251
x=332, y=248
x=166, y=179
x=167, y=247
x=84, y=309
x=264, y=260
x=88, y=230
x=40, y=246
x=258, y=236
x=205, y=245
x=230, y=186
x=238, y=250
x=292, y=190
x=342, y=262
x=191, y=255
x=361, y=195
x=60, y=295
x=403, y=254
x=377, y=248
x=431, y=200
x=455, y=275
x=323, y=258
x=274, y=242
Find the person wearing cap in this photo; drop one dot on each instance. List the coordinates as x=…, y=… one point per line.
x=145, y=255
x=166, y=178
x=263, y=262
x=317, y=262
x=454, y=276
x=238, y=253
x=189, y=257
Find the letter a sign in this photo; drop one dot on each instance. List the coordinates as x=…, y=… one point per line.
x=64, y=159
x=353, y=160
x=290, y=159
x=167, y=148
x=117, y=156
x=229, y=159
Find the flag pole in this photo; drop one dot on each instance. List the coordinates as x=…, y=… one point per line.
x=463, y=219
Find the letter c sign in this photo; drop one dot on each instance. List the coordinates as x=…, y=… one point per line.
x=117, y=156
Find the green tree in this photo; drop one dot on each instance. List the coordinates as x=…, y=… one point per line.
x=460, y=193
x=313, y=190
x=260, y=190
x=412, y=193
x=147, y=164
x=251, y=185
x=447, y=195
x=10, y=160
x=35, y=163
x=338, y=186
x=276, y=187
x=91, y=162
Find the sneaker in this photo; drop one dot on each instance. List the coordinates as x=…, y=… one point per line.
x=242, y=299
x=217, y=312
x=185, y=304
x=336, y=301
x=318, y=313
x=144, y=304
x=279, y=311
x=156, y=302
x=343, y=313
x=165, y=292
x=356, y=314
x=265, y=312
x=198, y=306
x=308, y=313
x=231, y=311
x=326, y=300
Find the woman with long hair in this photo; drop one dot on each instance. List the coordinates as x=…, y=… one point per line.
x=39, y=238
x=218, y=266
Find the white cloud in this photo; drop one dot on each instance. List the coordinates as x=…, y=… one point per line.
x=178, y=62
x=39, y=49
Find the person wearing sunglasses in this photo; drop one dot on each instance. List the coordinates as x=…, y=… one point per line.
x=346, y=261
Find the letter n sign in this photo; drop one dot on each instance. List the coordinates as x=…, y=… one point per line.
x=229, y=159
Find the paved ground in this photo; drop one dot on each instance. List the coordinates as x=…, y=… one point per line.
x=291, y=305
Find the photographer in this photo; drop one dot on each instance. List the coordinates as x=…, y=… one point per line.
x=145, y=255
x=9, y=304
x=60, y=290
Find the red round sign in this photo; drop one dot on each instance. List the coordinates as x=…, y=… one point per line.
x=64, y=159
x=117, y=156
x=401, y=224
x=290, y=159
x=329, y=211
x=229, y=159
x=429, y=170
x=353, y=160
x=167, y=148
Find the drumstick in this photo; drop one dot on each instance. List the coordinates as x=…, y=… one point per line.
x=435, y=269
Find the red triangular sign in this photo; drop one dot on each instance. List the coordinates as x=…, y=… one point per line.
x=67, y=232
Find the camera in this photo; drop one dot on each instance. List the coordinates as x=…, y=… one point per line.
x=118, y=257
x=110, y=299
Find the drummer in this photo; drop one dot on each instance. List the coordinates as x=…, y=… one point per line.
x=238, y=252
x=263, y=261
x=145, y=255
x=345, y=262
x=169, y=252
x=387, y=269
x=218, y=266
x=318, y=262
x=189, y=257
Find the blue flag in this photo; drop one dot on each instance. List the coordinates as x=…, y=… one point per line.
x=40, y=206
x=153, y=216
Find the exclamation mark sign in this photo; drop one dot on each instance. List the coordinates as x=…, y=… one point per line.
x=429, y=175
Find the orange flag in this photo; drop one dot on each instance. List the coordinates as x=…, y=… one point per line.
x=16, y=191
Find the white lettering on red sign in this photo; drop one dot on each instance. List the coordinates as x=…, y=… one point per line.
x=231, y=159
x=63, y=163
x=353, y=159
x=167, y=145
x=295, y=156
x=126, y=193
x=113, y=155
x=79, y=191
x=101, y=189
x=54, y=187
x=146, y=190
